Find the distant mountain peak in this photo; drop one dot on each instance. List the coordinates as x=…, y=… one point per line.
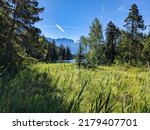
x=66, y=42
x=64, y=39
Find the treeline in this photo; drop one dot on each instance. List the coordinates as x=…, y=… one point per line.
x=130, y=46
x=20, y=41
x=58, y=52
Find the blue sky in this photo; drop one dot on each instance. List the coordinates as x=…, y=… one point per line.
x=72, y=18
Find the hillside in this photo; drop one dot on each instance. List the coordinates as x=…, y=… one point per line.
x=64, y=88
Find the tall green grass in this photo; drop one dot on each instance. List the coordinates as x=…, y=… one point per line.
x=65, y=88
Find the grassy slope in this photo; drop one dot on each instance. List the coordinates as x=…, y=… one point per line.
x=64, y=88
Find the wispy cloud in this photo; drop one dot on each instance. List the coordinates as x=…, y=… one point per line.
x=60, y=28
x=64, y=27
x=122, y=8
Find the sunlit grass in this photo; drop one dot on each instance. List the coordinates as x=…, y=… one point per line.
x=65, y=88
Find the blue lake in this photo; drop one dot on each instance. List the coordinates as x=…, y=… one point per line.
x=65, y=61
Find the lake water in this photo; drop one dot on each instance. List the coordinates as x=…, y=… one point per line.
x=65, y=61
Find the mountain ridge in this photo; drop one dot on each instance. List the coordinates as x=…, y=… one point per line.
x=66, y=42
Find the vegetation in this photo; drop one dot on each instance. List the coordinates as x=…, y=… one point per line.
x=21, y=41
x=19, y=36
x=112, y=38
x=28, y=84
x=57, y=53
x=41, y=87
x=120, y=46
x=92, y=45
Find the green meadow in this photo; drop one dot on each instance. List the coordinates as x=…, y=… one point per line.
x=65, y=88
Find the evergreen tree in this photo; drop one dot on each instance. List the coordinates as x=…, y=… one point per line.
x=68, y=53
x=52, y=52
x=123, y=53
x=19, y=17
x=146, y=51
x=61, y=52
x=4, y=25
x=112, y=35
x=34, y=45
x=80, y=56
x=138, y=48
x=134, y=21
x=58, y=53
x=133, y=24
x=134, y=55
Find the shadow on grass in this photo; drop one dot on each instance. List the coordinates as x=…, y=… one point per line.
x=29, y=91
x=32, y=91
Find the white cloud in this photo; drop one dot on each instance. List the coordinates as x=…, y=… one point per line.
x=121, y=8
x=60, y=28
x=65, y=27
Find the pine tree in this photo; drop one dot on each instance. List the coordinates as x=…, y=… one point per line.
x=134, y=21
x=20, y=17
x=34, y=45
x=123, y=53
x=52, y=52
x=4, y=25
x=133, y=24
x=61, y=52
x=112, y=36
x=146, y=51
x=68, y=53
x=80, y=56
